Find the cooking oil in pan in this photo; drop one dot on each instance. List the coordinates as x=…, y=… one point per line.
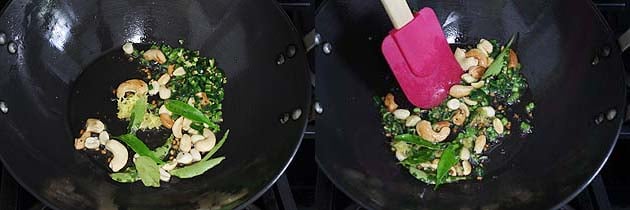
x=93, y=96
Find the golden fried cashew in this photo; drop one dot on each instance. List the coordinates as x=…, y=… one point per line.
x=166, y=120
x=154, y=55
x=477, y=72
x=426, y=132
x=459, y=91
x=390, y=103
x=480, y=55
x=513, y=59
x=135, y=86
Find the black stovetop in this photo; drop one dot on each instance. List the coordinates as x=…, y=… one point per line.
x=305, y=187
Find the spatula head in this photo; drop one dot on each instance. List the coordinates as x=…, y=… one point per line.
x=421, y=60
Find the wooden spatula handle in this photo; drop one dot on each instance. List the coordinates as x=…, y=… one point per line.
x=398, y=12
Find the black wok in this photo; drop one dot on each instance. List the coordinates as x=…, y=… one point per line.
x=571, y=61
x=56, y=40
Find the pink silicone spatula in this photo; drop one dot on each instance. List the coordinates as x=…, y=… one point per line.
x=419, y=55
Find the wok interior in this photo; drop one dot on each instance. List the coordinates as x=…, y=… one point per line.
x=59, y=39
x=558, y=40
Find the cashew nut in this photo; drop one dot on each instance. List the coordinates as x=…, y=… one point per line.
x=390, y=103
x=79, y=143
x=468, y=78
x=170, y=69
x=464, y=154
x=179, y=71
x=128, y=48
x=464, y=109
x=177, y=127
x=196, y=155
x=195, y=138
x=94, y=125
x=466, y=63
x=467, y=168
x=453, y=170
x=185, y=144
x=92, y=143
x=478, y=84
x=170, y=165
x=163, y=80
x=459, y=118
x=155, y=87
x=120, y=155
x=154, y=55
x=485, y=45
x=459, y=91
x=192, y=131
x=184, y=158
x=207, y=144
x=498, y=125
x=164, y=110
x=477, y=72
x=513, y=59
x=460, y=54
x=480, y=144
x=401, y=114
x=488, y=110
x=135, y=86
x=453, y=104
x=164, y=175
x=103, y=137
x=164, y=92
x=207, y=133
x=426, y=132
x=427, y=165
x=204, y=98
x=412, y=121
x=186, y=124
x=166, y=120
x=480, y=55
x=400, y=155
x=469, y=101
x=439, y=125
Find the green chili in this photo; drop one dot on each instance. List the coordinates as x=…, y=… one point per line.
x=196, y=169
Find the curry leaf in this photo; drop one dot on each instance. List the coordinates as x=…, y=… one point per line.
x=130, y=175
x=148, y=171
x=187, y=111
x=139, y=147
x=448, y=159
x=418, y=157
x=422, y=175
x=162, y=151
x=499, y=62
x=137, y=114
x=417, y=140
x=196, y=169
x=216, y=147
